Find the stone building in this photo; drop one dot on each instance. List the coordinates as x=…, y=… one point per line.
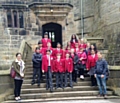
x=30, y=19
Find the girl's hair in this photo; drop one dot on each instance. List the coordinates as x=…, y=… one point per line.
x=18, y=54
x=95, y=48
x=76, y=40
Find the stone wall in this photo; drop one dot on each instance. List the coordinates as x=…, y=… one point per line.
x=88, y=14
x=114, y=79
x=106, y=25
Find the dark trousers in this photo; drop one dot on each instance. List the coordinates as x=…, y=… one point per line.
x=41, y=73
x=59, y=80
x=49, y=83
x=93, y=81
x=74, y=75
x=17, y=89
x=70, y=79
x=36, y=71
x=81, y=69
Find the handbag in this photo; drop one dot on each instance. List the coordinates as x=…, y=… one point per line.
x=80, y=66
x=12, y=72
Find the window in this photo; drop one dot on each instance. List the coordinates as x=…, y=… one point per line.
x=21, y=19
x=9, y=18
x=15, y=18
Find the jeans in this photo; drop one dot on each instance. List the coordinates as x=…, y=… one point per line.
x=17, y=89
x=70, y=78
x=101, y=82
x=49, y=83
x=36, y=71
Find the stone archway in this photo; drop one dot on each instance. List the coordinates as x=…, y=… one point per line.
x=54, y=31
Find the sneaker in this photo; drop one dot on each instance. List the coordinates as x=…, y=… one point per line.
x=38, y=85
x=105, y=96
x=32, y=83
x=99, y=95
x=19, y=98
x=16, y=98
x=82, y=77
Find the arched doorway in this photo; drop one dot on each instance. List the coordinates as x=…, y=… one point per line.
x=54, y=31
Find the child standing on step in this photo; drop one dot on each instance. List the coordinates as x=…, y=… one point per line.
x=36, y=59
x=47, y=68
x=59, y=70
x=68, y=69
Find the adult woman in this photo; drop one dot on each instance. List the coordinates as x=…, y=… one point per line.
x=19, y=67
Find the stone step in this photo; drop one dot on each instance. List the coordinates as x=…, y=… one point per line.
x=43, y=100
x=80, y=83
x=29, y=76
x=59, y=94
x=43, y=90
x=28, y=81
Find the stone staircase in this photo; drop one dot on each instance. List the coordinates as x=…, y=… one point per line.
x=34, y=94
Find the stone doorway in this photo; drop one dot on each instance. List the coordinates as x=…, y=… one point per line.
x=54, y=31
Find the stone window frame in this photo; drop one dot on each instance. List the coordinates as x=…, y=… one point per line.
x=11, y=11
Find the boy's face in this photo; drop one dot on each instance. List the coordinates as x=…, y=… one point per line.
x=48, y=53
x=58, y=56
x=38, y=51
x=58, y=45
x=45, y=36
x=67, y=55
x=40, y=45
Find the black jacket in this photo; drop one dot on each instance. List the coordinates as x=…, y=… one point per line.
x=36, y=59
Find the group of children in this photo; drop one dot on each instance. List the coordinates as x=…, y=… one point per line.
x=69, y=62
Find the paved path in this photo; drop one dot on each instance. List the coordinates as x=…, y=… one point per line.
x=89, y=101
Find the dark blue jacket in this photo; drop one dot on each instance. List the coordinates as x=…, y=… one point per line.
x=101, y=67
x=36, y=59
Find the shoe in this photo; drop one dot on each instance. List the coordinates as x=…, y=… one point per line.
x=38, y=85
x=47, y=88
x=19, y=98
x=51, y=90
x=105, y=96
x=71, y=86
x=56, y=87
x=99, y=95
x=16, y=98
x=82, y=77
x=32, y=83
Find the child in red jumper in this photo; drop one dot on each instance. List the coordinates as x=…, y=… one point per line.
x=59, y=70
x=68, y=69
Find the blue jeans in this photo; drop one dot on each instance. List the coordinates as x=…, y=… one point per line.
x=101, y=82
